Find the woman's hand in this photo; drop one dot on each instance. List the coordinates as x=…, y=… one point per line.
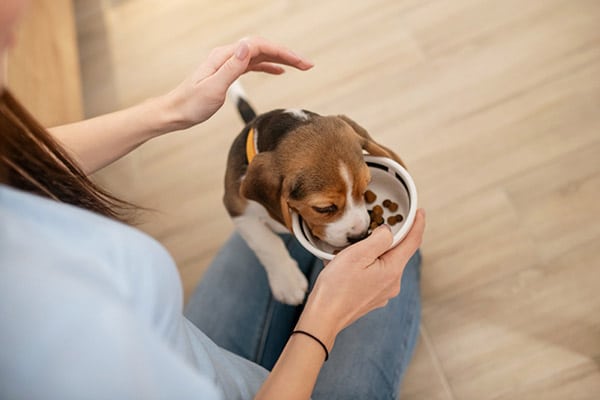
x=361, y=278
x=99, y=141
x=199, y=96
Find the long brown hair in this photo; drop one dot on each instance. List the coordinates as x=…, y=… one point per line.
x=31, y=160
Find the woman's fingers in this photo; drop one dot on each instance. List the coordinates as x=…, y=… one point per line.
x=409, y=245
x=377, y=245
x=226, y=64
x=262, y=50
x=264, y=57
x=365, y=252
x=232, y=68
x=269, y=68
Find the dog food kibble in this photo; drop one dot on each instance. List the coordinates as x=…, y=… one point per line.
x=370, y=197
x=390, y=205
x=376, y=213
x=377, y=210
x=394, y=219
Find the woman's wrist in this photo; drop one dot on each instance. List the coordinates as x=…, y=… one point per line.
x=318, y=319
x=162, y=114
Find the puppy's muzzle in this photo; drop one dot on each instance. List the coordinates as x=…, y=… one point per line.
x=356, y=238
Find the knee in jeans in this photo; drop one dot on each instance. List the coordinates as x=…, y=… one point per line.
x=373, y=388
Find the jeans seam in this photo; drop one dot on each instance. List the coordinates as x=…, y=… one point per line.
x=262, y=343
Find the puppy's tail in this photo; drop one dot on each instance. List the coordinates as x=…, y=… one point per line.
x=238, y=96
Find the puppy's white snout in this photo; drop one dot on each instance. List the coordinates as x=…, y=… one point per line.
x=358, y=229
x=356, y=238
x=360, y=224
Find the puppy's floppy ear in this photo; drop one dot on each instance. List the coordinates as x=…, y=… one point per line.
x=263, y=184
x=370, y=145
x=285, y=211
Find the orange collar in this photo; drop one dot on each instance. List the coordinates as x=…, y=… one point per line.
x=250, y=145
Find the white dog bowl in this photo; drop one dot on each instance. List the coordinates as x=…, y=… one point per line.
x=389, y=180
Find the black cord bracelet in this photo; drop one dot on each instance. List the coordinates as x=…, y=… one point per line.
x=315, y=338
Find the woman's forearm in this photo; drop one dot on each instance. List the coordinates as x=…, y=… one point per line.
x=295, y=374
x=97, y=142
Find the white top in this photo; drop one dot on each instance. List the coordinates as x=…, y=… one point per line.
x=92, y=309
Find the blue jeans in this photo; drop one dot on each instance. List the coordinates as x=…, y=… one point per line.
x=234, y=307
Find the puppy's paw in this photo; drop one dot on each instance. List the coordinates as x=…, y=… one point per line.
x=288, y=283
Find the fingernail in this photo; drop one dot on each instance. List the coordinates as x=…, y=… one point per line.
x=386, y=226
x=242, y=50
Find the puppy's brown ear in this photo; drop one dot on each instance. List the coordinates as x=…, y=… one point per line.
x=370, y=145
x=263, y=184
x=285, y=211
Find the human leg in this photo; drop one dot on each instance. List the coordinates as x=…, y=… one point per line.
x=234, y=307
x=233, y=304
x=370, y=357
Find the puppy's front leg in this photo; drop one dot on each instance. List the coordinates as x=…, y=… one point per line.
x=287, y=282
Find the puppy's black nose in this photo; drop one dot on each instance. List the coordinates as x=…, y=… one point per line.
x=356, y=238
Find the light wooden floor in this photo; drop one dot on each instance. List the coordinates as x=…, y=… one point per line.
x=494, y=105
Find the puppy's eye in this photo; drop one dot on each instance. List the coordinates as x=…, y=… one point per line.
x=326, y=210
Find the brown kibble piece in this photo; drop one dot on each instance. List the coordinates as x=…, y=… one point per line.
x=376, y=213
x=370, y=196
x=377, y=210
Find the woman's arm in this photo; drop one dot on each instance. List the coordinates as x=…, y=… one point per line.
x=361, y=278
x=99, y=141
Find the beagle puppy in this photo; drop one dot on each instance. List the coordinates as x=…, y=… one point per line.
x=297, y=160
